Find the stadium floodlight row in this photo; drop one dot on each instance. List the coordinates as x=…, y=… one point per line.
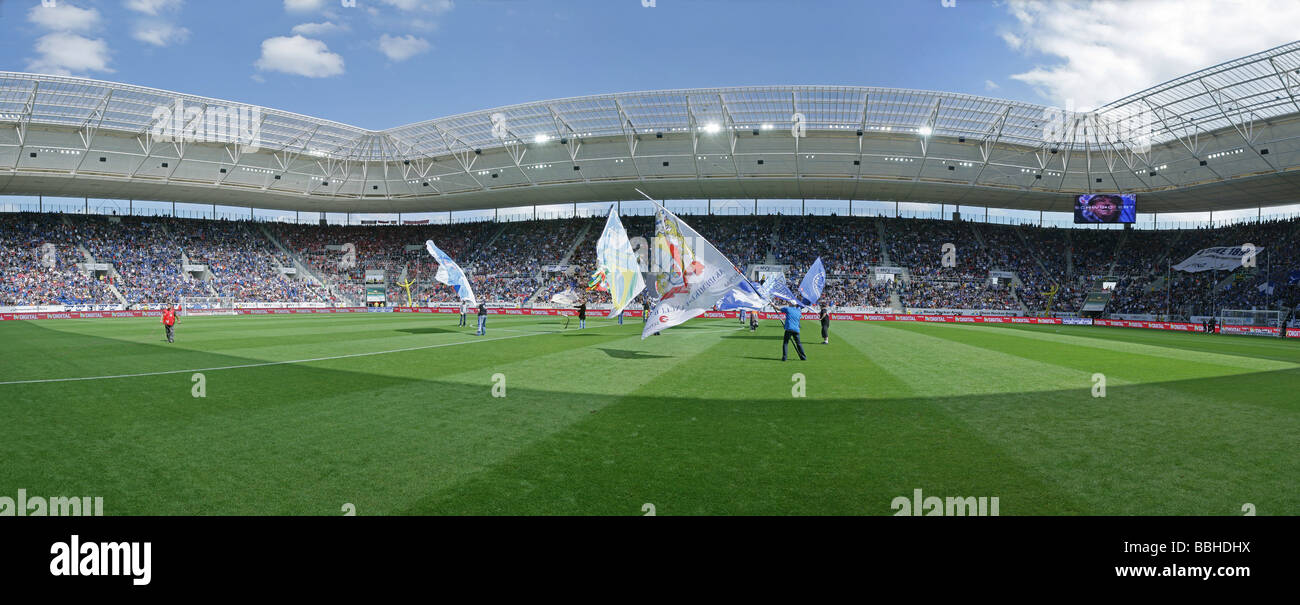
x=1221, y=138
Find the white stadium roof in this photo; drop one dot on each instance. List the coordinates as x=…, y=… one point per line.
x=1222, y=138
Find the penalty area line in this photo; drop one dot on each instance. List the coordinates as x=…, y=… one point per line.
x=270, y=363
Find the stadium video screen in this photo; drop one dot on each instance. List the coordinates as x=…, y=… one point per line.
x=1105, y=208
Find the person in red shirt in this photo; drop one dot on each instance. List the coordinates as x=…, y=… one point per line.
x=168, y=322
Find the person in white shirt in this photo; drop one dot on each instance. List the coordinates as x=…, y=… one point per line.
x=464, y=307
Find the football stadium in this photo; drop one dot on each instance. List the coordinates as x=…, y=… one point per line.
x=786, y=299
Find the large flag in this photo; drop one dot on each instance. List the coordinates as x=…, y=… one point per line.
x=776, y=287
x=690, y=275
x=568, y=298
x=743, y=296
x=1223, y=258
x=813, y=283
x=451, y=274
x=618, y=262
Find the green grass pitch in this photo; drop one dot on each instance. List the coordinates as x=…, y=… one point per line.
x=395, y=414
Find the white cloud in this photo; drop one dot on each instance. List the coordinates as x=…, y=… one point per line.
x=153, y=7
x=1102, y=51
x=318, y=29
x=160, y=34
x=303, y=6
x=991, y=85
x=65, y=54
x=401, y=48
x=64, y=17
x=436, y=7
x=299, y=56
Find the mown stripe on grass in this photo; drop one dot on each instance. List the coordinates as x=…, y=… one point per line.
x=1192, y=446
x=1118, y=344
x=729, y=438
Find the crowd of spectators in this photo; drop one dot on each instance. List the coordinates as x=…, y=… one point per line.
x=856, y=293
x=940, y=294
x=508, y=262
x=32, y=273
x=848, y=246
x=243, y=265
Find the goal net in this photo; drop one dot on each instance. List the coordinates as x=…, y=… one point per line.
x=208, y=305
x=1250, y=317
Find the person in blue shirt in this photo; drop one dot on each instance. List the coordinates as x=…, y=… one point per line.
x=792, y=316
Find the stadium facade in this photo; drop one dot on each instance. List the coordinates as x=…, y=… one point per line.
x=1226, y=137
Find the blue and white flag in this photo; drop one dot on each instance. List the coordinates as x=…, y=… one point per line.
x=777, y=287
x=813, y=283
x=451, y=274
x=743, y=296
x=1293, y=278
x=1266, y=287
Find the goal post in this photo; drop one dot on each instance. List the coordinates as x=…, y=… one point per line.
x=1268, y=318
x=207, y=305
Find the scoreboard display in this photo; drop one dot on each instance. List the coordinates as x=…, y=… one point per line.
x=1105, y=208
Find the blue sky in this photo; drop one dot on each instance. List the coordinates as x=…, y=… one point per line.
x=383, y=63
x=472, y=55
